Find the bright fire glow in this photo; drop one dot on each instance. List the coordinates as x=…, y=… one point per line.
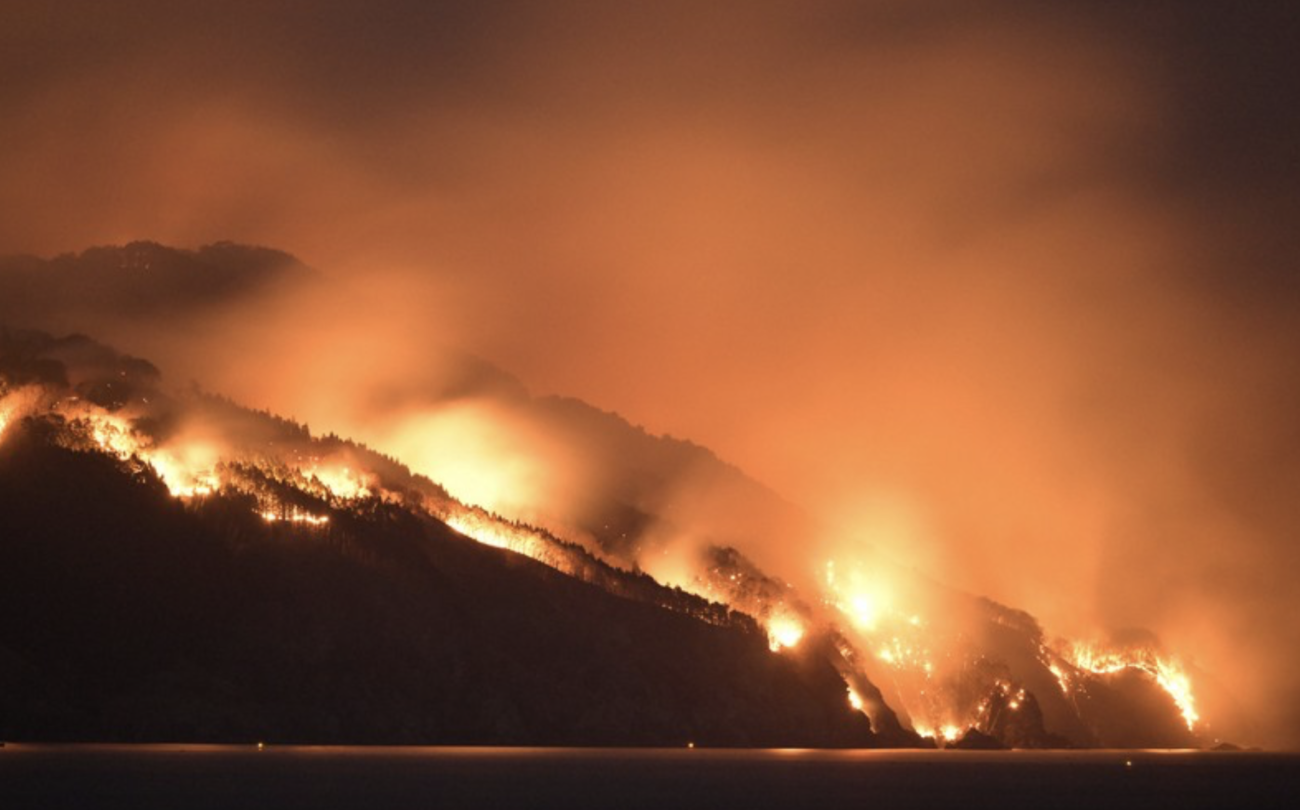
x=112, y=433
x=864, y=610
x=342, y=482
x=916, y=648
x=8, y=408
x=1170, y=676
x=295, y=516
x=924, y=658
x=477, y=452
x=1062, y=677
x=485, y=531
x=855, y=700
x=895, y=634
x=948, y=732
x=188, y=471
x=499, y=533
x=784, y=630
x=188, y=467
x=866, y=601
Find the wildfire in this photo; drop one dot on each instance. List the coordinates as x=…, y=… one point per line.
x=343, y=483
x=187, y=471
x=1058, y=672
x=189, y=466
x=487, y=532
x=864, y=601
x=497, y=532
x=294, y=516
x=8, y=407
x=855, y=700
x=783, y=631
x=948, y=732
x=896, y=636
x=864, y=610
x=1166, y=672
x=924, y=654
x=903, y=654
x=112, y=433
x=932, y=664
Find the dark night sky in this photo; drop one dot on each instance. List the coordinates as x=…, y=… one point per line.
x=1010, y=287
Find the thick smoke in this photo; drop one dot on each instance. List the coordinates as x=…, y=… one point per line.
x=1003, y=290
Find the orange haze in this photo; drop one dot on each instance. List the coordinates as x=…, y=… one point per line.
x=1004, y=290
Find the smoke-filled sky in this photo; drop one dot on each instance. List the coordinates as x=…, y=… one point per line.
x=1008, y=289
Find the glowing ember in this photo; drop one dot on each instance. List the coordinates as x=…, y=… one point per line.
x=931, y=662
x=896, y=635
x=902, y=653
x=342, y=482
x=478, y=452
x=1058, y=672
x=484, y=531
x=948, y=732
x=295, y=516
x=187, y=471
x=864, y=610
x=855, y=700
x=9, y=407
x=1166, y=672
x=864, y=600
x=783, y=630
x=112, y=434
x=494, y=531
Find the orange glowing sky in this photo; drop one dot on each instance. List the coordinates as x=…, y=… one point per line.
x=1005, y=289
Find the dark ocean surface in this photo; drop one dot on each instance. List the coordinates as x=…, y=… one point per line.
x=191, y=776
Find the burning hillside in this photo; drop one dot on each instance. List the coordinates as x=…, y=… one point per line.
x=909, y=653
x=176, y=567
x=90, y=399
x=945, y=340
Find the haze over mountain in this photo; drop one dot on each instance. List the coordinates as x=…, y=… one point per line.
x=625, y=501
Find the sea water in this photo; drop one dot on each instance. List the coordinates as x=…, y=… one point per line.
x=178, y=777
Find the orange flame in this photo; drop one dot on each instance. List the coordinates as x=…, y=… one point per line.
x=784, y=631
x=497, y=532
x=343, y=483
x=295, y=516
x=1166, y=671
x=855, y=700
